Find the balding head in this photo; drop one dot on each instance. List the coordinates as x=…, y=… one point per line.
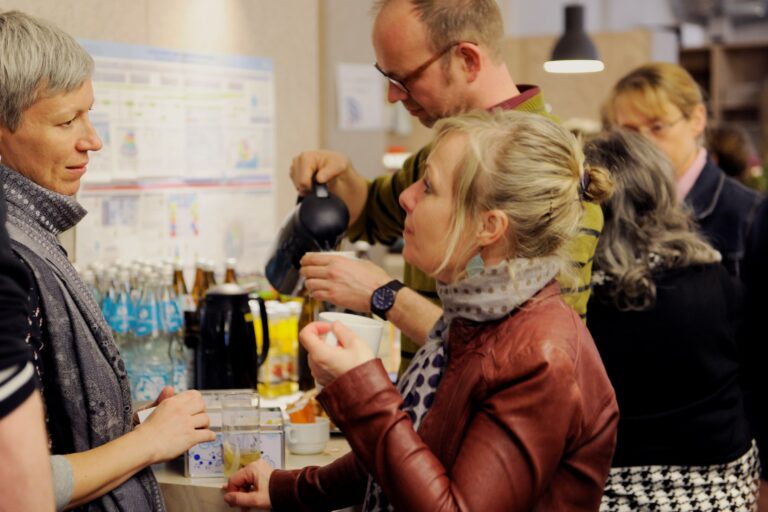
x=448, y=21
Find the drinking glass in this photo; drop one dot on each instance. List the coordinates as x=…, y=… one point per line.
x=240, y=427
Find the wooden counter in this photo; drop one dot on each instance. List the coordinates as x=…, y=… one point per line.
x=184, y=494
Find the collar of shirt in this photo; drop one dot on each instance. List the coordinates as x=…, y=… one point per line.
x=526, y=92
x=689, y=177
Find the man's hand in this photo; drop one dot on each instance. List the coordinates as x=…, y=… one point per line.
x=328, y=362
x=325, y=164
x=336, y=170
x=249, y=487
x=343, y=282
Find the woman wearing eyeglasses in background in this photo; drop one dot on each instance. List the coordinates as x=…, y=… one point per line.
x=663, y=102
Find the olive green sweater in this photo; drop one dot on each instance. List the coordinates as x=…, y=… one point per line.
x=383, y=218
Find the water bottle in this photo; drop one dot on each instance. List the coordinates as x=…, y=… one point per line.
x=172, y=322
x=122, y=310
x=152, y=363
x=89, y=278
x=108, y=298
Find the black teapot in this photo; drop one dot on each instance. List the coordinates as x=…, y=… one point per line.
x=318, y=223
x=227, y=356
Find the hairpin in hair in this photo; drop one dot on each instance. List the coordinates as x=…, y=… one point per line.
x=583, y=184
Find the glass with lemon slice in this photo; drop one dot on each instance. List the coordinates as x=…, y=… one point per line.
x=240, y=427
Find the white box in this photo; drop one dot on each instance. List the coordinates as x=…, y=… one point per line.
x=207, y=460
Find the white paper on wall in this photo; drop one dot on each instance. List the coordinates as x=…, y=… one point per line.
x=360, y=97
x=183, y=222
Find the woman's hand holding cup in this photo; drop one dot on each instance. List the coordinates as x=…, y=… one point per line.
x=328, y=362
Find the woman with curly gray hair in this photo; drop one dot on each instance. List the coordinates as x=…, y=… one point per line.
x=663, y=315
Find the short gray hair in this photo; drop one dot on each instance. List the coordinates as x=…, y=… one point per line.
x=451, y=21
x=37, y=59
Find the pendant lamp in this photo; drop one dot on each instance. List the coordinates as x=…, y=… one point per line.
x=574, y=51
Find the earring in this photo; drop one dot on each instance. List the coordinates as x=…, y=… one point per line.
x=475, y=265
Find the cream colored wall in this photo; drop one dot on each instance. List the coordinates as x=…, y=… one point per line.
x=346, y=38
x=578, y=95
x=286, y=31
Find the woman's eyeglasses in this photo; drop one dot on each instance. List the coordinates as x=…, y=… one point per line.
x=656, y=128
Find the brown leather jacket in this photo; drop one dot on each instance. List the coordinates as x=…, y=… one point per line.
x=524, y=419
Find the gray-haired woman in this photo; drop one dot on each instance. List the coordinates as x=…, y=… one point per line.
x=45, y=136
x=663, y=315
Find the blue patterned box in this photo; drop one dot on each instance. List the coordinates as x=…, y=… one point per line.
x=206, y=459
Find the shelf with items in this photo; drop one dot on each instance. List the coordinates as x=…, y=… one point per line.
x=734, y=77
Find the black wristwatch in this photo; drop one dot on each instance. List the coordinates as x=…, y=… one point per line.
x=383, y=298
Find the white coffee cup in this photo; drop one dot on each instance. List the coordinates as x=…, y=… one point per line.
x=307, y=438
x=367, y=329
x=347, y=254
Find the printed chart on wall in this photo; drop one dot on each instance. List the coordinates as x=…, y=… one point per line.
x=186, y=168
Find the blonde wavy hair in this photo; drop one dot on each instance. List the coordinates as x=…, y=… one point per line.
x=646, y=228
x=528, y=167
x=655, y=85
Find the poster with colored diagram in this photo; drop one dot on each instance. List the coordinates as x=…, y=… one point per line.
x=186, y=168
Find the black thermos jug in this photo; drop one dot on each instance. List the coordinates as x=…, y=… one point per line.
x=227, y=356
x=318, y=223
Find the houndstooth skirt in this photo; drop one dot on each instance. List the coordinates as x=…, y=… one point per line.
x=727, y=487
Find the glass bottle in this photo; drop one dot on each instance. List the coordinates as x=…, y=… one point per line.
x=230, y=276
x=153, y=364
x=192, y=313
x=172, y=319
x=310, y=309
x=210, y=276
x=199, y=286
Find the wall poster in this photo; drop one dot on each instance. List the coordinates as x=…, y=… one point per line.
x=186, y=168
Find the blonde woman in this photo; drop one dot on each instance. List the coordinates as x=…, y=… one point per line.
x=507, y=406
x=664, y=316
x=662, y=102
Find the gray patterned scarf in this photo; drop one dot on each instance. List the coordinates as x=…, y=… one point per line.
x=85, y=366
x=490, y=295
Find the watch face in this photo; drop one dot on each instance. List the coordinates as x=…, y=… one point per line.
x=383, y=299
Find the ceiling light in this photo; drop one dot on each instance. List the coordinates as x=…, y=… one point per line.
x=574, y=51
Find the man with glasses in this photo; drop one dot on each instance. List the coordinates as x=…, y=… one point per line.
x=441, y=58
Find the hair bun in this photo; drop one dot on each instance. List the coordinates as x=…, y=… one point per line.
x=596, y=184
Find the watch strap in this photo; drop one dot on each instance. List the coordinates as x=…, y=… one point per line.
x=390, y=289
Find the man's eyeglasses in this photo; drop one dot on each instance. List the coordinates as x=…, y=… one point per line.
x=656, y=128
x=402, y=83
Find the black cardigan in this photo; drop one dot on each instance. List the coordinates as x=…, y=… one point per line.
x=14, y=311
x=724, y=210
x=676, y=370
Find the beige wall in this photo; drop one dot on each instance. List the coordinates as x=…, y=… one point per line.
x=578, y=95
x=346, y=38
x=286, y=31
